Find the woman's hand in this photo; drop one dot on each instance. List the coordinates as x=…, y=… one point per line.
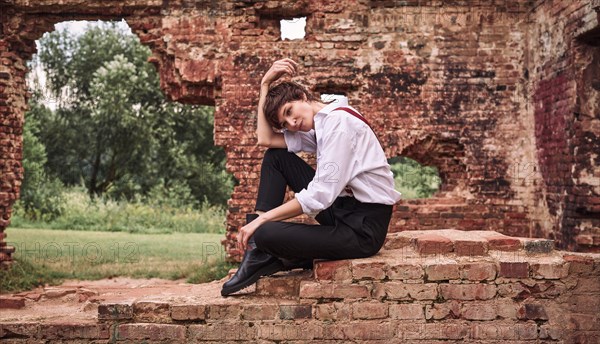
x=246, y=232
x=278, y=69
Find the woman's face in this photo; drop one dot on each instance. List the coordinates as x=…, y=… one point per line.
x=297, y=115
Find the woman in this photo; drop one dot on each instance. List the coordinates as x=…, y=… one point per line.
x=350, y=194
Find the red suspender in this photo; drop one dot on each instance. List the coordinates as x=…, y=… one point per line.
x=353, y=113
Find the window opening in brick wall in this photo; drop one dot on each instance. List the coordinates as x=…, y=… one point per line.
x=414, y=180
x=293, y=28
x=103, y=146
x=331, y=97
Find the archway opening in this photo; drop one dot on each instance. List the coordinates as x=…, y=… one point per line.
x=414, y=180
x=104, y=150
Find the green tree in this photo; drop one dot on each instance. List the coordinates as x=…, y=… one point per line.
x=114, y=129
x=41, y=195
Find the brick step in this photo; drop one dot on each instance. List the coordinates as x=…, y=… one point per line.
x=464, y=243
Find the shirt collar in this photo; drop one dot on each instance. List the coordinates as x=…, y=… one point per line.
x=341, y=101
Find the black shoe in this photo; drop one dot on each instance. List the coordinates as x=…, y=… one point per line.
x=255, y=264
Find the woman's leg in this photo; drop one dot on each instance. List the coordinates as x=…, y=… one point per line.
x=279, y=169
x=359, y=232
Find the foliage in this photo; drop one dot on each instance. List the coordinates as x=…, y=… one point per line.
x=41, y=195
x=113, y=129
x=164, y=213
x=414, y=180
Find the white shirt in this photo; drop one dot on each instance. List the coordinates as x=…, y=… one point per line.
x=348, y=154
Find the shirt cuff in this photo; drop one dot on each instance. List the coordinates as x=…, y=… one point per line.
x=309, y=206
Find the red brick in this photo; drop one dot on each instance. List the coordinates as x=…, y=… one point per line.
x=405, y=271
x=478, y=271
x=74, y=331
x=10, y=302
x=442, y=272
x=439, y=311
x=188, y=312
x=259, y=311
x=478, y=311
x=531, y=311
x=514, y=269
x=364, y=330
x=222, y=331
x=115, y=311
x=497, y=241
x=150, y=332
x=19, y=329
x=549, y=270
x=410, y=291
x=491, y=331
x=317, y=290
x=407, y=311
x=471, y=247
x=442, y=331
x=289, y=331
x=336, y=311
x=467, y=291
x=291, y=312
x=432, y=244
x=144, y=311
x=337, y=270
x=368, y=270
x=224, y=312
x=369, y=310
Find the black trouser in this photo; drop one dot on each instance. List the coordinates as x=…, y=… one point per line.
x=348, y=228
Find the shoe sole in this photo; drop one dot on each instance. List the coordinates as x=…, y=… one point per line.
x=265, y=271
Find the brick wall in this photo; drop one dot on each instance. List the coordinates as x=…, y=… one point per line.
x=564, y=74
x=450, y=85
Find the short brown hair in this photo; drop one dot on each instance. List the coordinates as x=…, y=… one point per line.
x=287, y=91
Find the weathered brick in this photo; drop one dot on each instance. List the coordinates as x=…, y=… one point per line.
x=467, y=291
x=259, y=311
x=115, y=311
x=11, y=302
x=433, y=244
x=224, y=312
x=145, y=311
x=368, y=270
x=222, y=331
x=304, y=331
x=405, y=271
x=150, y=332
x=491, y=331
x=337, y=311
x=478, y=271
x=439, y=311
x=514, y=269
x=369, y=310
x=407, y=311
x=188, y=312
x=442, y=271
x=363, y=330
x=532, y=311
x=291, y=312
x=549, y=270
x=471, y=248
x=408, y=291
x=479, y=311
x=74, y=331
x=440, y=331
x=19, y=329
x=332, y=290
x=337, y=270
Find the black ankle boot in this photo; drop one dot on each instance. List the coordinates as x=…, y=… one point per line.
x=255, y=264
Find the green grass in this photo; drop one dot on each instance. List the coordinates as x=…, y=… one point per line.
x=104, y=214
x=50, y=255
